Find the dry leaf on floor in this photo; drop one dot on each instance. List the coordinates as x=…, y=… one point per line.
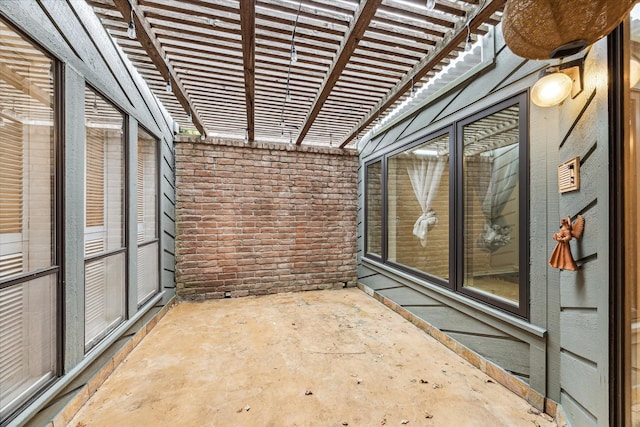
x=308, y=393
x=404, y=422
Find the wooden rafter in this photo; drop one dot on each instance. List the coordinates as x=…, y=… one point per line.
x=24, y=85
x=157, y=55
x=248, y=30
x=354, y=35
x=423, y=67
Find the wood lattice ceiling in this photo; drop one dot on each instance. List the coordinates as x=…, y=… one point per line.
x=230, y=61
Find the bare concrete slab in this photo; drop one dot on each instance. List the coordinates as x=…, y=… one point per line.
x=324, y=358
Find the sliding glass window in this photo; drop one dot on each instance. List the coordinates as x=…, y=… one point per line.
x=455, y=207
x=147, y=205
x=418, y=207
x=492, y=206
x=29, y=212
x=104, y=238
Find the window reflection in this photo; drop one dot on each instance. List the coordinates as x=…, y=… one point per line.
x=27, y=221
x=104, y=218
x=491, y=215
x=418, y=207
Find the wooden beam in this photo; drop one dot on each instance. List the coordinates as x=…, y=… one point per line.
x=156, y=53
x=355, y=33
x=24, y=85
x=423, y=67
x=248, y=30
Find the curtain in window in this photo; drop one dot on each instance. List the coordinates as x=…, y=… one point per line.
x=425, y=176
x=501, y=172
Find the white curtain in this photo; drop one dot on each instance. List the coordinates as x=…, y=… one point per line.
x=504, y=177
x=425, y=176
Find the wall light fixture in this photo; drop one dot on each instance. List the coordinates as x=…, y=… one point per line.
x=556, y=83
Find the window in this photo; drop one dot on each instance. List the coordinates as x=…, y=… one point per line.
x=104, y=237
x=418, y=207
x=29, y=265
x=455, y=210
x=147, y=201
x=494, y=172
x=374, y=209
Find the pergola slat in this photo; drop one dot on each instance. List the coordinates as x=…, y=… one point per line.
x=364, y=16
x=153, y=48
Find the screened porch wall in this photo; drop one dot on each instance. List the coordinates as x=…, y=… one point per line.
x=561, y=351
x=72, y=33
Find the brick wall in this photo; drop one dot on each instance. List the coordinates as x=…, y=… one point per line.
x=263, y=218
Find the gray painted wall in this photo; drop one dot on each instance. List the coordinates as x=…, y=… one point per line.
x=70, y=31
x=562, y=352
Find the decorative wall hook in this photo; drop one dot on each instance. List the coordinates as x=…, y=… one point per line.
x=561, y=257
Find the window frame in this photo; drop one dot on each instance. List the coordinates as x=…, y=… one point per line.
x=158, y=206
x=57, y=224
x=449, y=129
x=522, y=308
x=383, y=234
x=456, y=207
x=124, y=249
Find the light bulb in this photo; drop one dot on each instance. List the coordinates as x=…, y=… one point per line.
x=131, y=31
x=288, y=96
x=189, y=116
x=431, y=4
x=167, y=88
x=551, y=89
x=468, y=44
x=294, y=54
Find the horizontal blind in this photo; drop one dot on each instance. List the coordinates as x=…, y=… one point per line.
x=11, y=177
x=11, y=339
x=95, y=292
x=95, y=178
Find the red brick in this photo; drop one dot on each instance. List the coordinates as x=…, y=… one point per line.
x=266, y=218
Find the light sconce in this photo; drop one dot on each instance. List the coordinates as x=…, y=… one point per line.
x=167, y=88
x=294, y=53
x=556, y=83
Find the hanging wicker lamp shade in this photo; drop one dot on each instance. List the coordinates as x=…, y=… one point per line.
x=545, y=29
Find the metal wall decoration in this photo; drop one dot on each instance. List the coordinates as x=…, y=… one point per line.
x=561, y=257
x=546, y=29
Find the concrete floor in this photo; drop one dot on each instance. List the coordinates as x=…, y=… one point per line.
x=325, y=358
